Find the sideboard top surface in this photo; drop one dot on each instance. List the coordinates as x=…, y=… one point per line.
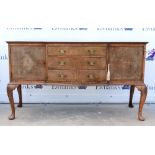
x=55, y=42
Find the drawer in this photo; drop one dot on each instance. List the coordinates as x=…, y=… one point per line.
x=60, y=62
x=82, y=51
x=92, y=76
x=61, y=76
x=92, y=63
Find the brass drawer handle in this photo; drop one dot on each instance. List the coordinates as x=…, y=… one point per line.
x=90, y=76
x=91, y=63
x=62, y=76
x=91, y=52
x=62, y=52
x=62, y=63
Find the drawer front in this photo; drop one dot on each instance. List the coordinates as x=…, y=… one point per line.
x=61, y=76
x=92, y=63
x=92, y=76
x=60, y=62
x=82, y=51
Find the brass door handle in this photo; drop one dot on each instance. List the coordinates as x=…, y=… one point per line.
x=91, y=63
x=108, y=73
x=91, y=52
x=62, y=52
x=90, y=76
x=62, y=63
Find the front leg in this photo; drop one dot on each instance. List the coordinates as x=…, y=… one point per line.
x=143, y=90
x=10, y=88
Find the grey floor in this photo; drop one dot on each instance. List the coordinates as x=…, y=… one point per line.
x=77, y=115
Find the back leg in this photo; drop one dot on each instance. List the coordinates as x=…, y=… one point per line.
x=132, y=88
x=19, y=89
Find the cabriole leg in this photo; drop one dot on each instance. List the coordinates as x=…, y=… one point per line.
x=10, y=88
x=143, y=91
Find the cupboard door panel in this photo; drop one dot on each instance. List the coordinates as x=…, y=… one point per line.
x=126, y=63
x=27, y=63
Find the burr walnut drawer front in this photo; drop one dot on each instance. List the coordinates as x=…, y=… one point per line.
x=92, y=63
x=76, y=62
x=92, y=76
x=86, y=51
x=60, y=62
x=61, y=76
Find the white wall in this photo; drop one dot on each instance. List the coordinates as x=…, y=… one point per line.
x=61, y=21
x=72, y=93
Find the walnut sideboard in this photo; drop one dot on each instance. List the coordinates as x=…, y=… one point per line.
x=77, y=63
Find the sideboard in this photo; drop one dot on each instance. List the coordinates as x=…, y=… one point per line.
x=77, y=63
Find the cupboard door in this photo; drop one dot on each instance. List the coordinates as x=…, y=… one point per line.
x=126, y=63
x=27, y=63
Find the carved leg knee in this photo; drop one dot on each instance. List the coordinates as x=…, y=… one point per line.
x=10, y=89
